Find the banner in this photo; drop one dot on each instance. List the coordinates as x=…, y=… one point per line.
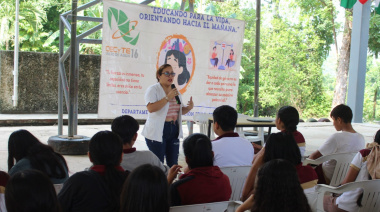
x=204, y=51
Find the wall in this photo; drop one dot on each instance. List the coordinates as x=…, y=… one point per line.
x=38, y=83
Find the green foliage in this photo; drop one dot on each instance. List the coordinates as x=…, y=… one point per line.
x=295, y=40
x=372, y=85
x=31, y=16
x=291, y=55
x=374, y=34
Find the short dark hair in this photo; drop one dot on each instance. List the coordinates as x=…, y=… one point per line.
x=198, y=150
x=282, y=145
x=126, y=127
x=278, y=188
x=30, y=190
x=146, y=189
x=290, y=117
x=160, y=70
x=342, y=111
x=226, y=116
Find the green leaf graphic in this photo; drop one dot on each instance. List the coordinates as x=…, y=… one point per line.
x=122, y=18
x=124, y=28
x=135, y=40
x=123, y=25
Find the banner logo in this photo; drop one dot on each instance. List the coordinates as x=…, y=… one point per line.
x=124, y=26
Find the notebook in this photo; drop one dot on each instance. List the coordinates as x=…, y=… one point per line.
x=261, y=119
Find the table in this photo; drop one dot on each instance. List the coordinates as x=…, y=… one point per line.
x=243, y=122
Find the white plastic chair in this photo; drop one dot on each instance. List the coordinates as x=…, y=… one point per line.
x=237, y=176
x=202, y=119
x=343, y=161
x=371, y=194
x=206, y=207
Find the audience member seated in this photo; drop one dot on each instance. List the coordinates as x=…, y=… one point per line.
x=287, y=119
x=145, y=190
x=204, y=182
x=282, y=146
x=277, y=189
x=99, y=188
x=229, y=148
x=30, y=153
x=126, y=127
x=30, y=190
x=343, y=142
x=4, y=177
x=364, y=166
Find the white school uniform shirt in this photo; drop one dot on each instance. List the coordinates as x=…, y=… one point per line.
x=232, y=151
x=154, y=125
x=342, y=142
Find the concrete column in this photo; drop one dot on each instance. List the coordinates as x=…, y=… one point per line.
x=358, y=59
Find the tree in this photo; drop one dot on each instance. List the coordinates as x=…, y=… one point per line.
x=374, y=35
x=372, y=88
x=31, y=17
x=343, y=62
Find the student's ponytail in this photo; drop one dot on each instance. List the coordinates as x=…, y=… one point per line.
x=290, y=117
x=198, y=151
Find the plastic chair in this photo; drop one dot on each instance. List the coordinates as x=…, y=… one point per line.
x=371, y=194
x=202, y=120
x=237, y=176
x=343, y=161
x=206, y=207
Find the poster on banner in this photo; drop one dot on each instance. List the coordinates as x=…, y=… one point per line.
x=204, y=51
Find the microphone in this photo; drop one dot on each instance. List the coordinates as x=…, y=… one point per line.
x=176, y=97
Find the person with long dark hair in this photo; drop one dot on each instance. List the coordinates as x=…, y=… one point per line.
x=204, y=182
x=277, y=189
x=282, y=145
x=99, y=188
x=163, y=128
x=145, y=190
x=287, y=119
x=30, y=153
x=30, y=190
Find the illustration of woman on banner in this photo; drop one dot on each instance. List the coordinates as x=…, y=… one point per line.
x=177, y=60
x=177, y=51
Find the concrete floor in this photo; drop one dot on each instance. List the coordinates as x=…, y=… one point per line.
x=315, y=134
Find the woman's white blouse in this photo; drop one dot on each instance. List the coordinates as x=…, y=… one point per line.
x=154, y=125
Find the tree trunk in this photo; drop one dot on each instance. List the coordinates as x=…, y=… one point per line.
x=343, y=63
x=374, y=104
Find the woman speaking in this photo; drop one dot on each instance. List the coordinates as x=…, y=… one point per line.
x=163, y=128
